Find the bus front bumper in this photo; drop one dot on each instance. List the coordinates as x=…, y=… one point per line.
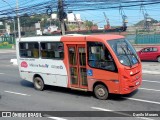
x=131, y=87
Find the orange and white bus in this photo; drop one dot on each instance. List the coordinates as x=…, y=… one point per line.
x=100, y=63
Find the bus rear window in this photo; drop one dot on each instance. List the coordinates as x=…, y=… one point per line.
x=29, y=49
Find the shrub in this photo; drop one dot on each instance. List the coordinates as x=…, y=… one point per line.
x=5, y=43
x=1, y=44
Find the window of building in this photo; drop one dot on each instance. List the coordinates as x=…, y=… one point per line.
x=100, y=57
x=29, y=49
x=52, y=50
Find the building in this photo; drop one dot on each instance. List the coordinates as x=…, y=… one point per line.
x=74, y=18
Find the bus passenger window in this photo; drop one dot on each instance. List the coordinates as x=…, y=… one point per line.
x=35, y=53
x=100, y=57
x=29, y=49
x=82, y=56
x=52, y=50
x=72, y=56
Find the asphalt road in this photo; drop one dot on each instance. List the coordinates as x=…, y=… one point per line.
x=19, y=95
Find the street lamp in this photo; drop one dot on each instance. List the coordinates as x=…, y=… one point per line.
x=16, y=11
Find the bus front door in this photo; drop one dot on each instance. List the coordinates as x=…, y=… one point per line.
x=77, y=66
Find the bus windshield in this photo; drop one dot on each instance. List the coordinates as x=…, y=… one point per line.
x=124, y=51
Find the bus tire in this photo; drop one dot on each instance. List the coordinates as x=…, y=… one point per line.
x=38, y=83
x=101, y=92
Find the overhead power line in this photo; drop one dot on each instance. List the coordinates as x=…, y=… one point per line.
x=75, y=5
x=104, y=7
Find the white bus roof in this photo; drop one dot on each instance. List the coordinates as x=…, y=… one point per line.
x=46, y=38
x=41, y=38
x=58, y=38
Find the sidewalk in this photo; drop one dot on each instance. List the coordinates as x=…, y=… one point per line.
x=151, y=68
x=7, y=50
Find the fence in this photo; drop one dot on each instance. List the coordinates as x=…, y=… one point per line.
x=147, y=38
x=9, y=39
x=7, y=42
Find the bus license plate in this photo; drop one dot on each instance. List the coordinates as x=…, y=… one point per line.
x=137, y=83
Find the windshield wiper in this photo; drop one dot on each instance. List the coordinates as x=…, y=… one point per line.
x=131, y=53
x=126, y=55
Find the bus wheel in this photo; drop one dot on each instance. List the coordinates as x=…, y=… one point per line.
x=101, y=92
x=38, y=83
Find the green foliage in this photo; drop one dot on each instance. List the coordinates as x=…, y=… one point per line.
x=88, y=24
x=29, y=21
x=72, y=27
x=5, y=43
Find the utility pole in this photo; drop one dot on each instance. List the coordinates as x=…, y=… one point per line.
x=61, y=15
x=16, y=11
x=14, y=27
x=19, y=27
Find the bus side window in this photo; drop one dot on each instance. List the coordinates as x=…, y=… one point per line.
x=43, y=54
x=52, y=50
x=100, y=57
x=35, y=53
x=29, y=49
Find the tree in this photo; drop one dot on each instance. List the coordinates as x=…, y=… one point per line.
x=88, y=24
x=72, y=27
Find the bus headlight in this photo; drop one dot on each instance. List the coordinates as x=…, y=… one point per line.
x=131, y=73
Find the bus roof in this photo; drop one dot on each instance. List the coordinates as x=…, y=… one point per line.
x=100, y=37
x=41, y=38
x=58, y=38
x=106, y=36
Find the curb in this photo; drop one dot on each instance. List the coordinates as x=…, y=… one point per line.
x=7, y=51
